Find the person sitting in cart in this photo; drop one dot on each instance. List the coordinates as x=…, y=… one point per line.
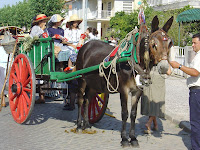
x=38, y=26
x=62, y=51
x=74, y=36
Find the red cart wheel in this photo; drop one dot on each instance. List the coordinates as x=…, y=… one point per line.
x=22, y=88
x=97, y=107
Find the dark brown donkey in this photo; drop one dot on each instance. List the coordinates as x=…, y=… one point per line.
x=91, y=83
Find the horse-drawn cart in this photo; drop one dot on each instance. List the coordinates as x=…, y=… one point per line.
x=37, y=64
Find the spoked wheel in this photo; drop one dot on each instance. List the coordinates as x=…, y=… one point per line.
x=97, y=107
x=22, y=88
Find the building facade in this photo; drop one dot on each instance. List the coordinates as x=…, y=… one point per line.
x=163, y=5
x=97, y=13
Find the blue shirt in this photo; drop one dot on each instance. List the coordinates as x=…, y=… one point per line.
x=53, y=31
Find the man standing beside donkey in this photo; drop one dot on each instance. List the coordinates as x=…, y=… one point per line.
x=193, y=82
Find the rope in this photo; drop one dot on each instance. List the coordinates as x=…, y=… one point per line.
x=113, y=63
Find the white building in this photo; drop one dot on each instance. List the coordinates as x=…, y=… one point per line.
x=162, y=5
x=97, y=13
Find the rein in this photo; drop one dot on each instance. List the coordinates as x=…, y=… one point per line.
x=113, y=63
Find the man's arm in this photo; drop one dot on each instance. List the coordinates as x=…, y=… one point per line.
x=187, y=70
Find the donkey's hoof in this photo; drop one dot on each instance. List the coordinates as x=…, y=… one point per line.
x=78, y=130
x=134, y=143
x=86, y=126
x=125, y=143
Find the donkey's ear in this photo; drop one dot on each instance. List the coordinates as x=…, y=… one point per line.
x=168, y=24
x=154, y=24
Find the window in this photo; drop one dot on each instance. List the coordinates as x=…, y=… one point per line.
x=127, y=6
x=109, y=8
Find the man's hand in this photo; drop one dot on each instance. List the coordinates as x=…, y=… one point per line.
x=187, y=70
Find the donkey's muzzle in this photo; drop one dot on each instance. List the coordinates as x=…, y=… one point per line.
x=163, y=66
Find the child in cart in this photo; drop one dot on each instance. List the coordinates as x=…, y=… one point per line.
x=74, y=36
x=38, y=28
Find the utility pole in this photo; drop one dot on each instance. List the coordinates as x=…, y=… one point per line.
x=85, y=6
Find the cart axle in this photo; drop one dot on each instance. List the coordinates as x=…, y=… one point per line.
x=17, y=88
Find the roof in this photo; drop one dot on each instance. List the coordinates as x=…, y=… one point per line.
x=189, y=15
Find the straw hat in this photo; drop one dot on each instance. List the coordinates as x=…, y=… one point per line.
x=41, y=17
x=56, y=18
x=74, y=18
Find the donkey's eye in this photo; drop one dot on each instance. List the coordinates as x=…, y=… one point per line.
x=170, y=44
x=154, y=46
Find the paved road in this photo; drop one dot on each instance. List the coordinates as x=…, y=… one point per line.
x=177, y=102
x=48, y=123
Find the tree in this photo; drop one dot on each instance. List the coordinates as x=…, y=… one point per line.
x=122, y=23
x=49, y=7
x=22, y=13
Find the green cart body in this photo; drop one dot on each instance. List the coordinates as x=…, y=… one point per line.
x=41, y=55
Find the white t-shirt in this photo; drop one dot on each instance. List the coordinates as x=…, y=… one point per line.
x=194, y=81
x=73, y=35
x=36, y=31
x=91, y=37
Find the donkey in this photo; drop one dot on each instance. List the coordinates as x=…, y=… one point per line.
x=93, y=53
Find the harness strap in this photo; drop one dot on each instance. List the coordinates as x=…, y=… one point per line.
x=113, y=63
x=143, y=29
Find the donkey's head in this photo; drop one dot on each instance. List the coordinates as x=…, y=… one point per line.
x=160, y=44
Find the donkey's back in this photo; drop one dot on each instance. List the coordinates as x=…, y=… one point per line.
x=92, y=53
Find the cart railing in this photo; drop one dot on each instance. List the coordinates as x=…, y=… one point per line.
x=41, y=55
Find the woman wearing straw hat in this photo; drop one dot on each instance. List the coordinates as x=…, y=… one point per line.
x=38, y=28
x=38, y=25
x=73, y=34
x=57, y=33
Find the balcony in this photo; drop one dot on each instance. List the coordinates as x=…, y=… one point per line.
x=104, y=14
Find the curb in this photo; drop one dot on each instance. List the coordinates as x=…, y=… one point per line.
x=185, y=125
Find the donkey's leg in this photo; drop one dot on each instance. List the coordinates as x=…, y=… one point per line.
x=81, y=91
x=124, y=114
x=89, y=94
x=134, y=101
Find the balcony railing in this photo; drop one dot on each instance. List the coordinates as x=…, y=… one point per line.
x=104, y=14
